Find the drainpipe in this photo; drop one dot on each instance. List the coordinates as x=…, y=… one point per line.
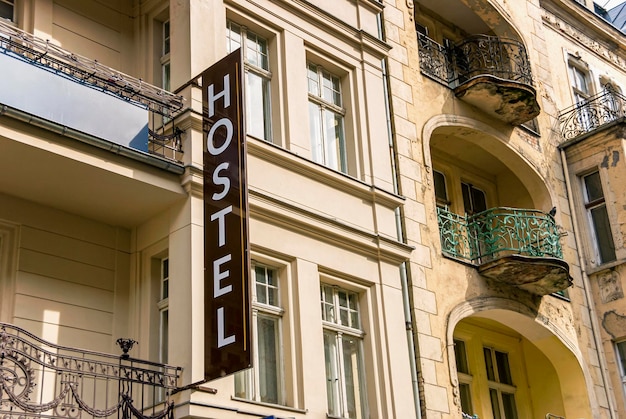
x=410, y=333
x=590, y=305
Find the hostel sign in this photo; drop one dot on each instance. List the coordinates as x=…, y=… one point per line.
x=226, y=258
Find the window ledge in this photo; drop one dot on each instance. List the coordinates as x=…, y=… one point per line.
x=272, y=405
x=594, y=269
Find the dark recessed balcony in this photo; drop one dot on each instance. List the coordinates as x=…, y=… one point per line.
x=43, y=380
x=519, y=247
x=488, y=72
x=593, y=114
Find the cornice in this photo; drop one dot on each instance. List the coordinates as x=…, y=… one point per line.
x=575, y=34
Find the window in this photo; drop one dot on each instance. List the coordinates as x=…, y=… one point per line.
x=580, y=83
x=343, y=353
x=263, y=383
x=465, y=378
x=598, y=217
x=474, y=200
x=501, y=389
x=163, y=305
x=326, y=118
x=441, y=190
x=620, y=348
x=165, y=57
x=7, y=9
x=256, y=62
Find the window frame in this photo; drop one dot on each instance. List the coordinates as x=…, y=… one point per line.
x=250, y=379
x=253, y=70
x=465, y=378
x=334, y=329
x=11, y=4
x=589, y=206
x=621, y=361
x=496, y=384
x=339, y=161
x=163, y=307
x=164, y=59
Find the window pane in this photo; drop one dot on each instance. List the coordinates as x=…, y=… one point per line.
x=604, y=237
x=440, y=186
x=167, y=77
x=495, y=405
x=508, y=402
x=256, y=51
x=504, y=372
x=243, y=384
x=328, y=313
x=593, y=185
x=489, y=364
x=6, y=9
x=621, y=352
x=315, y=131
x=334, y=141
x=466, y=398
x=165, y=320
x=332, y=376
x=267, y=347
x=460, y=356
x=166, y=37
x=313, y=80
x=258, y=106
x=351, y=375
x=233, y=40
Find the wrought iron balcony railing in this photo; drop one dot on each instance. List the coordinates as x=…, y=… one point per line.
x=42, y=380
x=498, y=232
x=592, y=113
x=164, y=138
x=478, y=55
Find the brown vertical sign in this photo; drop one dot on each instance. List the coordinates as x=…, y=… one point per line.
x=226, y=258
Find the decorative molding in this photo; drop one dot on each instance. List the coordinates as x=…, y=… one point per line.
x=583, y=39
x=410, y=4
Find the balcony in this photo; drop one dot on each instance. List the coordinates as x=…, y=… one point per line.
x=593, y=114
x=42, y=380
x=48, y=86
x=514, y=246
x=488, y=72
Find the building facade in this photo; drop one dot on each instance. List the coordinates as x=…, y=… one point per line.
x=511, y=179
x=435, y=202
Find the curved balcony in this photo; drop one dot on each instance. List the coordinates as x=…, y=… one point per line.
x=41, y=380
x=592, y=114
x=519, y=247
x=488, y=72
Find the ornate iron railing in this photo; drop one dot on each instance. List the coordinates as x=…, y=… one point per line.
x=592, y=114
x=164, y=140
x=434, y=60
x=475, y=56
x=42, y=380
x=498, y=232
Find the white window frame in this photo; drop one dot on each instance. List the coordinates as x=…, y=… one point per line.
x=163, y=306
x=589, y=206
x=331, y=151
x=257, y=70
x=338, y=331
x=249, y=380
x=166, y=79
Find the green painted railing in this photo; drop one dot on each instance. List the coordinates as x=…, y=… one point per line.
x=498, y=232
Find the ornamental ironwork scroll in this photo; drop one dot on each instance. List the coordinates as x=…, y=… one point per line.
x=42, y=380
x=592, y=114
x=479, y=55
x=497, y=232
